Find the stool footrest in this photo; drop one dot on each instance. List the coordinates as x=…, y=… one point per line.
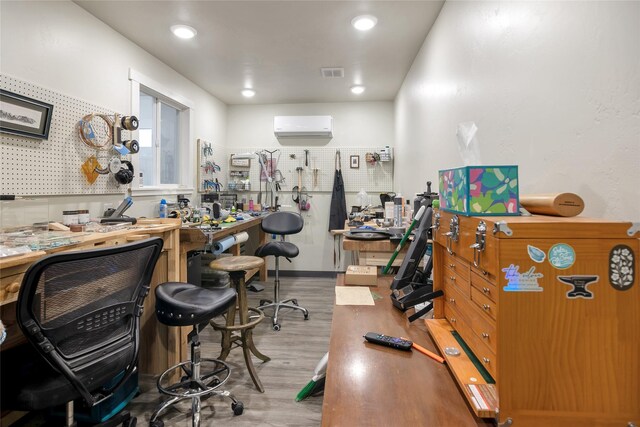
x=251, y=324
x=220, y=370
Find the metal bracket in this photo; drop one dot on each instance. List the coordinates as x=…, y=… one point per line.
x=632, y=424
x=479, y=245
x=453, y=233
x=501, y=226
x=436, y=222
x=635, y=228
x=506, y=423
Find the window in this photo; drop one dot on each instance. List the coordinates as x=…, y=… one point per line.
x=165, y=153
x=159, y=134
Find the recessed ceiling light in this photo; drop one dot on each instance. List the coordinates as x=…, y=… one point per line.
x=248, y=93
x=183, y=31
x=364, y=22
x=357, y=89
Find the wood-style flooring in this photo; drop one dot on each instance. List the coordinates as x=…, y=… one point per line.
x=294, y=350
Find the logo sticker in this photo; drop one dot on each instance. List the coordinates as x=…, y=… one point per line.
x=562, y=256
x=522, y=282
x=579, y=285
x=536, y=254
x=622, y=267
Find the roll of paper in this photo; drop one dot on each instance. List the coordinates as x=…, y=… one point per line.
x=241, y=237
x=224, y=244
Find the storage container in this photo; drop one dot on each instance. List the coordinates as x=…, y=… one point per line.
x=480, y=190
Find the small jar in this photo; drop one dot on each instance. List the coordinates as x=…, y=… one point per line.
x=83, y=216
x=69, y=217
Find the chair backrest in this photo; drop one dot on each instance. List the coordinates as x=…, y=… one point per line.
x=282, y=223
x=81, y=311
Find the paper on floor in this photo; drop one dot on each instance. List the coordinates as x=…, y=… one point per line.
x=353, y=295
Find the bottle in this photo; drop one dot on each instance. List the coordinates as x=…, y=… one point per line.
x=397, y=211
x=408, y=212
x=163, y=208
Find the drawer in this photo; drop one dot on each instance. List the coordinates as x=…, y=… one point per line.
x=483, y=328
x=487, y=306
x=9, y=287
x=456, y=264
x=489, y=289
x=461, y=324
x=461, y=283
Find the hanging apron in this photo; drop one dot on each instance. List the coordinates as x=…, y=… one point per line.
x=338, y=212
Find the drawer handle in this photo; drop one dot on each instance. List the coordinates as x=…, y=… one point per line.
x=486, y=360
x=452, y=300
x=13, y=288
x=486, y=306
x=452, y=265
x=485, y=290
x=485, y=335
x=452, y=278
x=453, y=320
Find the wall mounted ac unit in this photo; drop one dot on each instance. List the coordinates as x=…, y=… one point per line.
x=303, y=126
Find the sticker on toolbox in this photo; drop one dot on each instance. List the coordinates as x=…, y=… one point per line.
x=562, y=256
x=536, y=254
x=579, y=285
x=622, y=267
x=522, y=282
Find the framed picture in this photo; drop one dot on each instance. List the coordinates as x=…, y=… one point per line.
x=354, y=162
x=24, y=116
x=240, y=162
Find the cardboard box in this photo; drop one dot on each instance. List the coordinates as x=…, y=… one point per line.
x=364, y=275
x=480, y=190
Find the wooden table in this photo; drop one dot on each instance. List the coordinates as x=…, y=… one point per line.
x=160, y=346
x=194, y=238
x=371, y=385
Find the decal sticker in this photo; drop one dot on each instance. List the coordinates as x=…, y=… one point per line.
x=622, y=267
x=536, y=254
x=562, y=256
x=522, y=282
x=579, y=285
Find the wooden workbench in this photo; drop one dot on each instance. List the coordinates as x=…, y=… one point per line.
x=160, y=346
x=371, y=385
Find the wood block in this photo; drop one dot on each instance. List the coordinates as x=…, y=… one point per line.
x=364, y=275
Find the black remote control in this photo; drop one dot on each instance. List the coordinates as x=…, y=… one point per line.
x=393, y=342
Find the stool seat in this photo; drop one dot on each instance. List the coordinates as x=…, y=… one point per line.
x=285, y=249
x=184, y=304
x=237, y=263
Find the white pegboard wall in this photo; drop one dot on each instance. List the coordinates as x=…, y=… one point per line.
x=33, y=167
x=372, y=178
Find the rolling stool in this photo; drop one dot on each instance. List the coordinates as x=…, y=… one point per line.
x=184, y=304
x=281, y=223
x=236, y=266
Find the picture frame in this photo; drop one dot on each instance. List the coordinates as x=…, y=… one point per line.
x=354, y=162
x=23, y=116
x=243, y=163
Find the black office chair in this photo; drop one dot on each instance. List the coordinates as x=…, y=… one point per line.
x=283, y=224
x=81, y=313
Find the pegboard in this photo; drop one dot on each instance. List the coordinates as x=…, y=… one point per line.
x=34, y=167
x=211, y=156
x=376, y=177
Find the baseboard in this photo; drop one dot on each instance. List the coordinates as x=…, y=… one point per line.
x=304, y=273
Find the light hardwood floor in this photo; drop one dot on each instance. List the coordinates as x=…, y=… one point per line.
x=294, y=350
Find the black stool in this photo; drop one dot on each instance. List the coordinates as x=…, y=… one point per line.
x=184, y=304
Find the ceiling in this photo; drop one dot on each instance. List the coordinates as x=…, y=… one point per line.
x=278, y=47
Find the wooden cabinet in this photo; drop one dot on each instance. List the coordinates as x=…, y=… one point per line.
x=550, y=308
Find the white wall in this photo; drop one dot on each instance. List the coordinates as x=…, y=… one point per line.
x=552, y=86
x=356, y=124
x=59, y=46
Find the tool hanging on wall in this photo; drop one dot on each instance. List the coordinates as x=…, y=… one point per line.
x=300, y=196
x=306, y=158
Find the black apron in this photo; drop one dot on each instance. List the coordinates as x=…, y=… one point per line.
x=338, y=212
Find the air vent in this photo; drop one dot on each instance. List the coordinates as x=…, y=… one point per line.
x=332, y=73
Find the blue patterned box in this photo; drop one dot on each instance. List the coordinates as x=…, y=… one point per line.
x=480, y=190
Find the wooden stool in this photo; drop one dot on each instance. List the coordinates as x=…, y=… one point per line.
x=236, y=266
